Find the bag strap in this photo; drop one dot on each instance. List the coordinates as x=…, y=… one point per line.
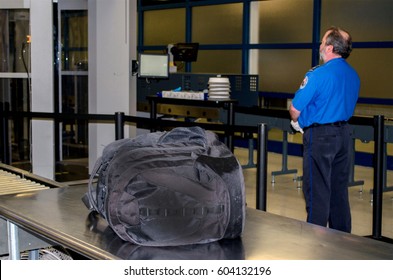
x=88, y=199
x=182, y=212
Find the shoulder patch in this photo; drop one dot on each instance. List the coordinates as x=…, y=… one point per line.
x=304, y=83
x=305, y=80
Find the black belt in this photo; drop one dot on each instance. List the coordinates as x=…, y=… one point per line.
x=340, y=123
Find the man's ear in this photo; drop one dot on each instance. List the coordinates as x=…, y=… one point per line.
x=329, y=48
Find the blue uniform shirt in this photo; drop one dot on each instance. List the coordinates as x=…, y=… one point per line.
x=327, y=94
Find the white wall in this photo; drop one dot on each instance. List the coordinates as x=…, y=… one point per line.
x=112, y=45
x=14, y=4
x=43, y=160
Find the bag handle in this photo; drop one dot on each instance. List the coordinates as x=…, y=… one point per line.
x=193, y=134
x=88, y=199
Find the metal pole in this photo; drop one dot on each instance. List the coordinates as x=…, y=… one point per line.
x=13, y=241
x=284, y=150
x=119, y=121
x=4, y=110
x=262, y=167
x=230, y=121
x=153, y=113
x=2, y=141
x=379, y=138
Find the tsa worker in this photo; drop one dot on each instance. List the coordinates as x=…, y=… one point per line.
x=320, y=110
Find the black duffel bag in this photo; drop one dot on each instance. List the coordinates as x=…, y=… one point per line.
x=170, y=188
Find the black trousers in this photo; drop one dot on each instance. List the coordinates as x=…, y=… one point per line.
x=326, y=175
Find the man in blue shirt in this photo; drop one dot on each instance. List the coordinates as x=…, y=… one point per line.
x=320, y=110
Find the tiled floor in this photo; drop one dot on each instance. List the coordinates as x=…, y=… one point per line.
x=285, y=197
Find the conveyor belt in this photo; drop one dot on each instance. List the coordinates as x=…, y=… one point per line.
x=11, y=183
x=14, y=180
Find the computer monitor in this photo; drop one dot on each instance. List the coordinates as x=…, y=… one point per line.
x=153, y=66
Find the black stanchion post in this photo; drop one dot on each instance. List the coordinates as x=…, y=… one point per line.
x=2, y=141
x=153, y=114
x=119, y=121
x=6, y=157
x=379, y=139
x=230, y=121
x=262, y=167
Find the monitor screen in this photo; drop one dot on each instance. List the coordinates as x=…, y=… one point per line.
x=155, y=66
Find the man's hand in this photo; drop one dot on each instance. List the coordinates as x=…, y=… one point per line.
x=296, y=127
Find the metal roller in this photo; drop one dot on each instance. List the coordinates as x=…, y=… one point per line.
x=12, y=184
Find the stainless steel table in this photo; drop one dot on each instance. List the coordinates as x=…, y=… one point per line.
x=58, y=215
